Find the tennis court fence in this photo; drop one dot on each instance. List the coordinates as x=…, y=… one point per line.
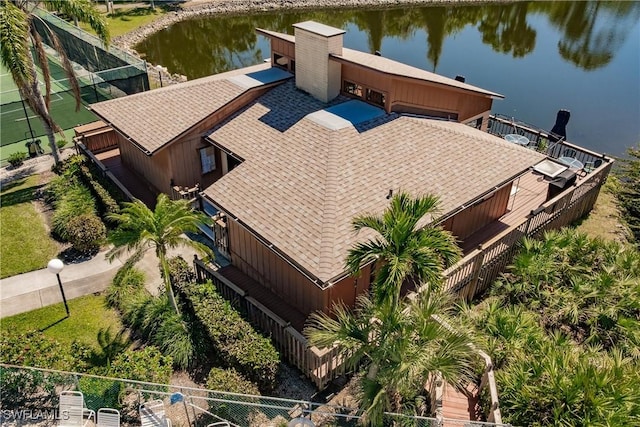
x=102, y=74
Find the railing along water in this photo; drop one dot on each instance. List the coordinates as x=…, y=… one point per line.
x=476, y=271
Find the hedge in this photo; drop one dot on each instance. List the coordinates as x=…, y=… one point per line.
x=231, y=381
x=233, y=338
x=106, y=203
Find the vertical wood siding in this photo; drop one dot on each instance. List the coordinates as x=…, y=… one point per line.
x=261, y=264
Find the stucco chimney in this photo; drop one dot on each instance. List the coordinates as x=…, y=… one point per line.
x=315, y=74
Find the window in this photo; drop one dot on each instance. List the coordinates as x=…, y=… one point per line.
x=280, y=61
x=352, y=88
x=208, y=159
x=375, y=97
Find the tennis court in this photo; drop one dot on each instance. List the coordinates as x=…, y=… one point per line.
x=16, y=117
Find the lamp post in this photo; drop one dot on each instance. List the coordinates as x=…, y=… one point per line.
x=55, y=266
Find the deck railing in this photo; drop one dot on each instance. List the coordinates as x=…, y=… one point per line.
x=97, y=137
x=476, y=271
x=320, y=365
x=185, y=193
x=103, y=170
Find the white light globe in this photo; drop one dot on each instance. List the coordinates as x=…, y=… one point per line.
x=55, y=266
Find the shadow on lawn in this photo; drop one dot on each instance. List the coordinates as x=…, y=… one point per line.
x=54, y=324
x=19, y=196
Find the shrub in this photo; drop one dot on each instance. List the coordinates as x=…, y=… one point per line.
x=86, y=232
x=233, y=338
x=231, y=381
x=36, y=350
x=100, y=393
x=16, y=159
x=107, y=203
x=61, y=143
x=74, y=201
x=147, y=365
x=629, y=192
x=127, y=285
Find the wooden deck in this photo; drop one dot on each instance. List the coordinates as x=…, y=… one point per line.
x=527, y=194
x=135, y=184
x=461, y=406
x=270, y=300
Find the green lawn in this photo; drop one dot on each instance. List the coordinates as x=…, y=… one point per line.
x=128, y=19
x=88, y=315
x=25, y=244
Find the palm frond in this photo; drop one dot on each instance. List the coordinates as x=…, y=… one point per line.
x=14, y=44
x=83, y=11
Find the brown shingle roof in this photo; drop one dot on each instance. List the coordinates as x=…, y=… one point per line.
x=155, y=118
x=302, y=183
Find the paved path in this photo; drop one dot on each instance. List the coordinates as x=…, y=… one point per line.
x=29, y=291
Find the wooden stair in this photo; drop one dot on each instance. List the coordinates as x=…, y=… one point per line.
x=458, y=405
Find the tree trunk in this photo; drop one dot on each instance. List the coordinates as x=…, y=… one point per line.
x=52, y=142
x=167, y=280
x=43, y=113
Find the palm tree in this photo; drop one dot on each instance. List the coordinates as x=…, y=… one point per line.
x=19, y=38
x=401, y=344
x=162, y=229
x=405, y=250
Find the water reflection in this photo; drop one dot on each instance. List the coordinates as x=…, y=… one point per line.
x=591, y=32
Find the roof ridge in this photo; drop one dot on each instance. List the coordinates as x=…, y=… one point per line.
x=330, y=205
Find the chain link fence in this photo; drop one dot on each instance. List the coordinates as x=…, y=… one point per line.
x=30, y=396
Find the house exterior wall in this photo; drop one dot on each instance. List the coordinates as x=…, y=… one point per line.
x=155, y=170
x=261, y=264
x=410, y=95
x=473, y=218
x=180, y=161
x=347, y=289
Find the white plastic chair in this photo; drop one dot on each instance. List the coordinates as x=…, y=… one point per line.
x=108, y=417
x=73, y=411
x=152, y=414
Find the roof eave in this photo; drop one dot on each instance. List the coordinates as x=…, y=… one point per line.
x=479, y=91
x=270, y=246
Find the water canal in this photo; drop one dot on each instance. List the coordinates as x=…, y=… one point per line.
x=543, y=56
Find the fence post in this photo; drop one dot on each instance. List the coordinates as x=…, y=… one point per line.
x=476, y=274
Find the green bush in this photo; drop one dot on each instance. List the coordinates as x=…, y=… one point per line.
x=61, y=143
x=16, y=159
x=76, y=200
x=86, y=232
x=127, y=285
x=228, y=380
x=147, y=365
x=106, y=202
x=31, y=349
x=100, y=393
x=233, y=338
x=231, y=381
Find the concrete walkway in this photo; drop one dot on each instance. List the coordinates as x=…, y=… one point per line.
x=36, y=289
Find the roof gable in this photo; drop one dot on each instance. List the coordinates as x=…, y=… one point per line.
x=155, y=118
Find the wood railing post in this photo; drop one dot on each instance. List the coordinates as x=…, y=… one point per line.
x=477, y=267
